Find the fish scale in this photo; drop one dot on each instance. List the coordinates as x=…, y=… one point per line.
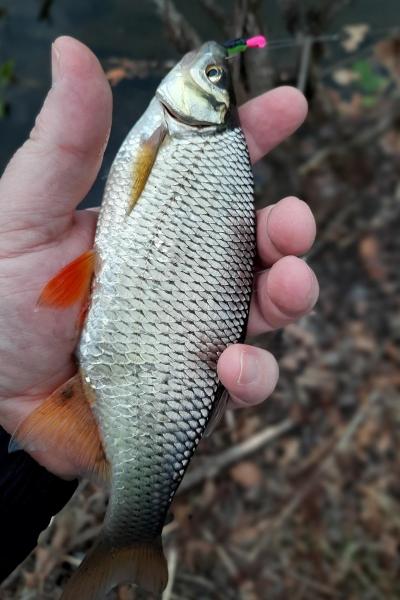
x=172, y=292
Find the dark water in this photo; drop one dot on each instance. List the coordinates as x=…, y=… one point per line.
x=118, y=28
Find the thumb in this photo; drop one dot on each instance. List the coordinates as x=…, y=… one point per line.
x=55, y=168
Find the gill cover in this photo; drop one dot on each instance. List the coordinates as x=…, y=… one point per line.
x=197, y=91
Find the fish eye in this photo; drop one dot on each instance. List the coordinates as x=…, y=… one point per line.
x=214, y=73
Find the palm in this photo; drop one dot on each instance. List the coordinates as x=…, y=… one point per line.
x=37, y=344
x=40, y=232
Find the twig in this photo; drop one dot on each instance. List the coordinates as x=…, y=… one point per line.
x=314, y=585
x=170, y=528
x=88, y=534
x=172, y=564
x=305, y=62
x=72, y=560
x=366, y=135
x=180, y=32
x=197, y=580
x=299, y=16
x=211, y=467
x=121, y=68
x=339, y=446
x=227, y=561
x=217, y=13
x=331, y=230
x=45, y=10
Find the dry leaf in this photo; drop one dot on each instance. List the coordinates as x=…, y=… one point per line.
x=355, y=35
x=370, y=255
x=196, y=550
x=248, y=534
x=181, y=512
x=388, y=52
x=247, y=425
x=290, y=451
x=390, y=544
x=247, y=591
x=367, y=434
x=345, y=76
x=363, y=341
x=116, y=75
x=247, y=474
x=125, y=592
x=352, y=107
x=208, y=493
x=390, y=142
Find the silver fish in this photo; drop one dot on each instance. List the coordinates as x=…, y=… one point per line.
x=174, y=249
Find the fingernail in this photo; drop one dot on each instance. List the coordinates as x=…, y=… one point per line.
x=249, y=368
x=55, y=63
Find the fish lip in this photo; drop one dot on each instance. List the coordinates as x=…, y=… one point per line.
x=185, y=121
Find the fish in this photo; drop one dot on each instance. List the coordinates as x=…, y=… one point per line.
x=165, y=289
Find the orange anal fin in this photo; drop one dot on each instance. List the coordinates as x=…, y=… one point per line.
x=143, y=164
x=71, y=284
x=65, y=423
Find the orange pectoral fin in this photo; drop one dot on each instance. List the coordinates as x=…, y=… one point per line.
x=71, y=284
x=143, y=164
x=65, y=423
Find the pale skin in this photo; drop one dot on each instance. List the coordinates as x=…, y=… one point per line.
x=41, y=231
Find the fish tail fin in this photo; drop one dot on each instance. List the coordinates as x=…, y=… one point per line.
x=105, y=566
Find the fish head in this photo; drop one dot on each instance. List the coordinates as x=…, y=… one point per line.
x=198, y=90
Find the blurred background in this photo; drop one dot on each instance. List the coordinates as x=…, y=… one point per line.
x=298, y=498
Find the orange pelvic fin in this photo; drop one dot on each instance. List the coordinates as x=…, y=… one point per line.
x=65, y=422
x=71, y=284
x=106, y=566
x=143, y=164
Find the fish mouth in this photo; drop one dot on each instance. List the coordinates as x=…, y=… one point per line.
x=184, y=119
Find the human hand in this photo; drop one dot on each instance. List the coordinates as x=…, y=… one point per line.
x=41, y=231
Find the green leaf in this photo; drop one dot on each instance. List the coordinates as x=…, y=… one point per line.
x=369, y=101
x=370, y=82
x=7, y=72
x=3, y=108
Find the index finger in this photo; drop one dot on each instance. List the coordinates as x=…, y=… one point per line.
x=270, y=118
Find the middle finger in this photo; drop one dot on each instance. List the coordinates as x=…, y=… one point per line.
x=287, y=227
x=282, y=294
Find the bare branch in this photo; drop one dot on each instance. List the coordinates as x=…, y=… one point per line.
x=253, y=69
x=172, y=557
x=304, y=63
x=181, y=34
x=217, y=14
x=211, y=467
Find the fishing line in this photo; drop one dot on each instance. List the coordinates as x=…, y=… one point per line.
x=239, y=45
x=340, y=37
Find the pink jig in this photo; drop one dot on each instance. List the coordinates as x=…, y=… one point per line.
x=258, y=41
